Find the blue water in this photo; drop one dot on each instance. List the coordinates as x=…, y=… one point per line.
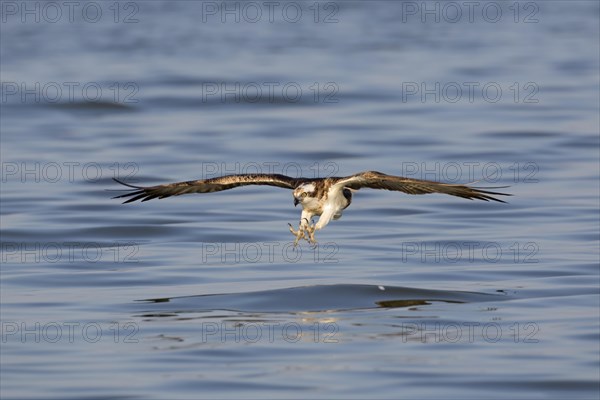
x=203, y=296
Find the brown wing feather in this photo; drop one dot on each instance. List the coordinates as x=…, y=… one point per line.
x=145, y=193
x=378, y=180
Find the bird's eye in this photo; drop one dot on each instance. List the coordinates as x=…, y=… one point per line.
x=304, y=194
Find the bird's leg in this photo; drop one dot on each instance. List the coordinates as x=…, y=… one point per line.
x=310, y=230
x=299, y=233
x=305, y=231
x=310, y=233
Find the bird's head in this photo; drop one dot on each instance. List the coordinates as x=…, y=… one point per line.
x=304, y=194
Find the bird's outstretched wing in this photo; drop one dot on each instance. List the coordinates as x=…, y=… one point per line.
x=205, y=186
x=378, y=180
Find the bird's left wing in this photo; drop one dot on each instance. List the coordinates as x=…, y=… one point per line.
x=146, y=193
x=378, y=180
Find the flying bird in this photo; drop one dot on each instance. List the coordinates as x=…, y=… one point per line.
x=323, y=197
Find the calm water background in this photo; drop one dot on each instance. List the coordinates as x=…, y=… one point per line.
x=203, y=297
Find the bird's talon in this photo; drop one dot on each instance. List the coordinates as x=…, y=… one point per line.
x=310, y=230
x=299, y=234
x=305, y=231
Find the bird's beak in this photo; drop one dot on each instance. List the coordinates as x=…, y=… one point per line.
x=296, y=202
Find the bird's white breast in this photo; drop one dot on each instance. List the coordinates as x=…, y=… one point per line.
x=336, y=200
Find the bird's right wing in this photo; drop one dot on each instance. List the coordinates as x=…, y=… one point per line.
x=145, y=193
x=378, y=180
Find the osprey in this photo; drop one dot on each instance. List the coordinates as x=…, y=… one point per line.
x=324, y=197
